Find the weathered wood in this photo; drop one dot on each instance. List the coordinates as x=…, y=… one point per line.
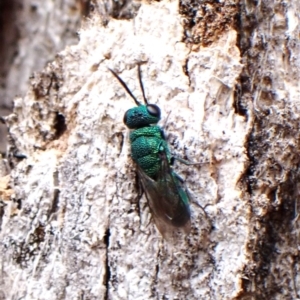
x=73, y=228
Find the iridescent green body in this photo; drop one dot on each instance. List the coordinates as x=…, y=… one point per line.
x=168, y=200
x=166, y=195
x=146, y=144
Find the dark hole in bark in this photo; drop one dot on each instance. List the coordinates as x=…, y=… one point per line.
x=59, y=125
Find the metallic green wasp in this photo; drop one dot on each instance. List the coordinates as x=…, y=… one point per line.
x=167, y=198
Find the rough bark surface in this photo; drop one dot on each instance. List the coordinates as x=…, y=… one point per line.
x=270, y=82
x=71, y=223
x=31, y=34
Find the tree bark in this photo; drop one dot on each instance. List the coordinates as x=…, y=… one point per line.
x=31, y=34
x=225, y=76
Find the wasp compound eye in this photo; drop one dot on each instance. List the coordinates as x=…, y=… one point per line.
x=153, y=110
x=125, y=118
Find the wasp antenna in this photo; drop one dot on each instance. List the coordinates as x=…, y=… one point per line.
x=125, y=87
x=141, y=83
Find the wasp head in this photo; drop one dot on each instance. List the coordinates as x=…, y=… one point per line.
x=141, y=116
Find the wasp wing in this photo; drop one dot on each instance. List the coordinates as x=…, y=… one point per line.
x=168, y=200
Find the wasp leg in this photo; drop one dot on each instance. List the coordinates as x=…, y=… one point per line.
x=199, y=205
x=188, y=163
x=139, y=196
x=137, y=202
x=179, y=178
x=190, y=195
x=139, y=187
x=166, y=121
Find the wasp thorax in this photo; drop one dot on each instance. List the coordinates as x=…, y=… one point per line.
x=141, y=116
